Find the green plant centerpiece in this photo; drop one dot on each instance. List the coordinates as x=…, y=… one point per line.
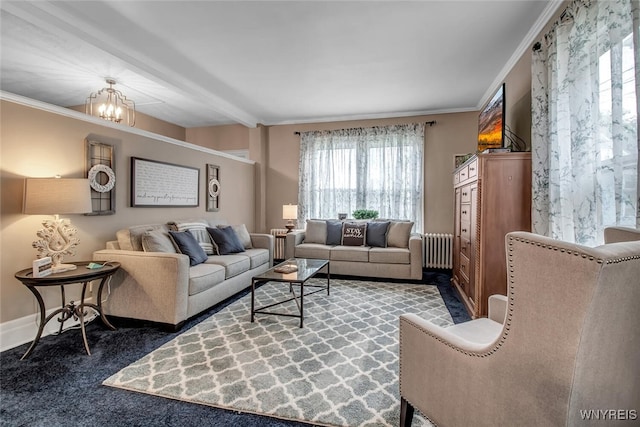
x=365, y=214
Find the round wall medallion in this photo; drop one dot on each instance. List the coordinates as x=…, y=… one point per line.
x=93, y=178
x=214, y=188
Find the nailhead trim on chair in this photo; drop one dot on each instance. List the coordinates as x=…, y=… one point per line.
x=507, y=323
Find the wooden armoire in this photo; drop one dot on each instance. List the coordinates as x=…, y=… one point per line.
x=492, y=198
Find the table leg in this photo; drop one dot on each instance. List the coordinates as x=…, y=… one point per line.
x=42, y=322
x=100, y=311
x=253, y=293
x=328, y=276
x=64, y=303
x=80, y=314
x=301, y=303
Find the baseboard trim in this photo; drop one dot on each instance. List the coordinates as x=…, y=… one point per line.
x=23, y=330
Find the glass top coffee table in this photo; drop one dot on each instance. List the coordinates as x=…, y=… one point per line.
x=306, y=269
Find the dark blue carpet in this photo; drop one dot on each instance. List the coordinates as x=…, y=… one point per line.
x=60, y=385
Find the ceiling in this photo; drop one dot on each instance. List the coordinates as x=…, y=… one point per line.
x=204, y=63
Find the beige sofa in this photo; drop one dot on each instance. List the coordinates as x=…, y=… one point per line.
x=399, y=255
x=162, y=287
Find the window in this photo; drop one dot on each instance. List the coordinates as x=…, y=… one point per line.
x=376, y=168
x=584, y=115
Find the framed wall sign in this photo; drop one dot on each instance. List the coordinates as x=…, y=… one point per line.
x=161, y=184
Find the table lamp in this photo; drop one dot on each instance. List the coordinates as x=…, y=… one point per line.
x=54, y=196
x=290, y=212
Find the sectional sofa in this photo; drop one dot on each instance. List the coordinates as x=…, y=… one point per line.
x=161, y=282
x=376, y=248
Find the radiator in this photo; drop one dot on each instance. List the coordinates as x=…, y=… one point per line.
x=280, y=237
x=438, y=250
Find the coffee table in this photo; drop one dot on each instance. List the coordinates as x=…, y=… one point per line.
x=307, y=268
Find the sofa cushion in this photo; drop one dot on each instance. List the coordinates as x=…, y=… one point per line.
x=225, y=240
x=233, y=264
x=188, y=245
x=398, y=234
x=257, y=257
x=316, y=231
x=243, y=235
x=130, y=239
x=334, y=232
x=312, y=250
x=158, y=241
x=199, y=230
x=390, y=255
x=205, y=276
x=350, y=253
x=354, y=233
x=377, y=234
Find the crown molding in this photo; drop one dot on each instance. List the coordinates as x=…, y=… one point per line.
x=65, y=112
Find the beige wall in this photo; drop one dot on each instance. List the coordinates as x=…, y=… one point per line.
x=452, y=134
x=518, y=99
x=36, y=143
x=222, y=138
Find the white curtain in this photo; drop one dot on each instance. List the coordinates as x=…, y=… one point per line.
x=377, y=168
x=585, y=76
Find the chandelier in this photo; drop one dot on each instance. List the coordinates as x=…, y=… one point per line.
x=110, y=104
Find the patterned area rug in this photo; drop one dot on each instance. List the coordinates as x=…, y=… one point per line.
x=341, y=369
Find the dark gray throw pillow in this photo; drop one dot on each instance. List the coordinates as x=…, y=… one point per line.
x=377, y=234
x=226, y=240
x=188, y=245
x=334, y=232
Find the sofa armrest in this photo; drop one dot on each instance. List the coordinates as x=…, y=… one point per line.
x=149, y=285
x=263, y=241
x=497, y=308
x=416, y=256
x=620, y=234
x=293, y=239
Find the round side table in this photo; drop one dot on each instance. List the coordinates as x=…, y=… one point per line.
x=83, y=275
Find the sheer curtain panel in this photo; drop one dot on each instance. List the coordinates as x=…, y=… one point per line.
x=585, y=74
x=376, y=168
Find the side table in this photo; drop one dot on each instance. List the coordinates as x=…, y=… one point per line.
x=82, y=275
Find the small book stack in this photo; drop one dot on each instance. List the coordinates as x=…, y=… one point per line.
x=286, y=269
x=496, y=150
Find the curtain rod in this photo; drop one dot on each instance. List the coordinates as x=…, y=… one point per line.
x=430, y=123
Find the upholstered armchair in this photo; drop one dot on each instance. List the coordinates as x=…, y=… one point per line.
x=566, y=345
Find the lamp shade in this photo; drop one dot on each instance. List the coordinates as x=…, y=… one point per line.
x=52, y=196
x=289, y=211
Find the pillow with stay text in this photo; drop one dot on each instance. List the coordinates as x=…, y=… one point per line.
x=354, y=233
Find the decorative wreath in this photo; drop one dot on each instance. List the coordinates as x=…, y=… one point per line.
x=214, y=188
x=93, y=181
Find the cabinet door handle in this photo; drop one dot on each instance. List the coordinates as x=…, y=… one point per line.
x=464, y=194
x=464, y=230
x=464, y=212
